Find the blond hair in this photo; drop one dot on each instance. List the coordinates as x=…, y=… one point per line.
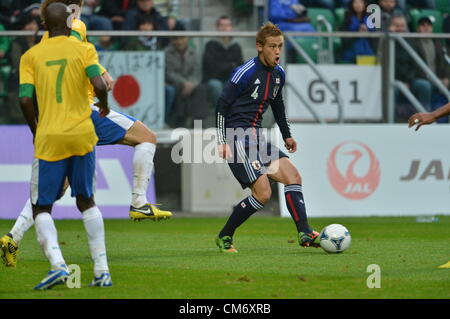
x=267, y=30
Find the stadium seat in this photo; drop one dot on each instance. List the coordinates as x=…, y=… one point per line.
x=443, y=6
x=310, y=45
x=340, y=16
x=435, y=16
x=315, y=13
x=243, y=6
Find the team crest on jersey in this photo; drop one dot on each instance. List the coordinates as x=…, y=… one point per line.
x=277, y=80
x=275, y=90
x=243, y=205
x=256, y=165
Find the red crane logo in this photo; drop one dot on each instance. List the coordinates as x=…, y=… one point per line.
x=351, y=185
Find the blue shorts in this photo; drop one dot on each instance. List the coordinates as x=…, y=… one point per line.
x=112, y=128
x=251, y=158
x=47, y=178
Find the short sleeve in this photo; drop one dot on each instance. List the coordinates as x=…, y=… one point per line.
x=26, y=75
x=92, y=66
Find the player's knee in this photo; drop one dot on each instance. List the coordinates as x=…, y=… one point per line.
x=295, y=179
x=144, y=134
x=41, y=209
x=84, y=204
x=152, y=137
x=264, y=195
x=292, y=178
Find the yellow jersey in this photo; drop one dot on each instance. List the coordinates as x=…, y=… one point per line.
x=58, y=69
x=79, y=32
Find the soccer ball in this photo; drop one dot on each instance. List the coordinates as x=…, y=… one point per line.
x=335, y=238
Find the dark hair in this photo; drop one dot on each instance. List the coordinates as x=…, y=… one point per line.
x=351, y=12
x=179, y=26
x=224, y=17
x=24, y=19
x=425, y=19
x=144, y=19
x=397, y=16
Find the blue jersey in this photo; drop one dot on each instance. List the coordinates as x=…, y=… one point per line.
x=250, y=90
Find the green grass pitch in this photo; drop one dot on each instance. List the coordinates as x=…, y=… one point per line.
x=178, y=259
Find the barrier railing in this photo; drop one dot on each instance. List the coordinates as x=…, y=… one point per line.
x=387, y=64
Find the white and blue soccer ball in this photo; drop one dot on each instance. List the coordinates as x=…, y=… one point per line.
x=335, y=238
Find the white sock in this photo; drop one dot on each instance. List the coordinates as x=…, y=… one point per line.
x=93, y=223
x=23, y=222
x=142, y=171
x=48, y=239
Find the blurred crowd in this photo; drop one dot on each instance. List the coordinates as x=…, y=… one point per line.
x=419, y=16
x=194, y=80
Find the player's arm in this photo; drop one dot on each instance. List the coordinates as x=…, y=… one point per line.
x=420, y=119
x=106, y=77
x=224, y=148
x=229, y=94
x=101, y=92
x=94, y=73
x=27, y=106
x=26, y=92
x=79, y=32
x=279, y=113
x=109, y=80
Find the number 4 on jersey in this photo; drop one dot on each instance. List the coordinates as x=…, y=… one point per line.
x=255, y=93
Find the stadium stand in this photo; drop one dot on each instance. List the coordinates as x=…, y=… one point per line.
x=434, y=15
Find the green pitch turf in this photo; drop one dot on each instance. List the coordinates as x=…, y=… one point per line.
x=178, y=259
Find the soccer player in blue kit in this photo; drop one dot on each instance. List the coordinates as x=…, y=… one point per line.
x=251, y=89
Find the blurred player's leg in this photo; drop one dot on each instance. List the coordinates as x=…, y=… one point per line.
x=284, y=171
x=48, y=239
x=118, y=128
x=23, y=222
x=47, y=236
x=47, y=181
x=241, y=212
x=9, y=243
x=81, y=179
x=143, y=167
x=93, y=223
x=447, y=265
x=9, y=249
x=144, y=142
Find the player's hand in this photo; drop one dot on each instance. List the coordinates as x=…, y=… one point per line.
x=290, y=144
x=109, y=81
x=104, y=109
x=420, y=119
x=225, y=151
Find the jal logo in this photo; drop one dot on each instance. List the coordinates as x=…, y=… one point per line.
x=424, y=170
x=353, y=170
